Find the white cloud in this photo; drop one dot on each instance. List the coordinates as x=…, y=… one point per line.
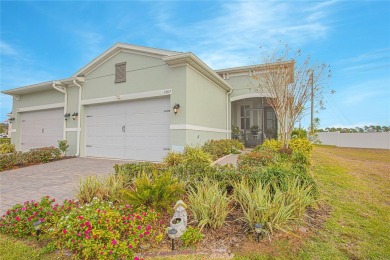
x=367, y=61
x=237, y=29
x=7, y=49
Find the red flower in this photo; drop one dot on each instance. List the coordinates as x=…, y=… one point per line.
x=141, y=235
x=113, y=242
x=139, y=227
x=80, y=217
x=64, y=231
x=18, y=218
x=146, y=233
x=130, y=246
x=136, y=258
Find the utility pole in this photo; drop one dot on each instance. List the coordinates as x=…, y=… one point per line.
x=312, y=104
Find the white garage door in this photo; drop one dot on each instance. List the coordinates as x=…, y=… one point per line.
x=41, y=128
x=136, y=130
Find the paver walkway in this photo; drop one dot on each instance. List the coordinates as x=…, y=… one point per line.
x=57, y=179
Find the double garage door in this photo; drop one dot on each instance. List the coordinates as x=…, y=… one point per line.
x=41, y=128
x=136, y=130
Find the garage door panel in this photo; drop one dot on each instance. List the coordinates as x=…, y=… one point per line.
x=141, y=139
x=145, y=135
x=41, y=128
x=146, y=129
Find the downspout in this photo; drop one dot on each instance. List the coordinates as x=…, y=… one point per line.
x=62, y=90
x=227, y=113
x=78, y=118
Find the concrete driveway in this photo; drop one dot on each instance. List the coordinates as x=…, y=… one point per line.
x=57, y=179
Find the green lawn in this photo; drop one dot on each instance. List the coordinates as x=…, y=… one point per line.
x=354, y=186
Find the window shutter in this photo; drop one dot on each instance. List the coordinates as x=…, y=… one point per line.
x=120, y=72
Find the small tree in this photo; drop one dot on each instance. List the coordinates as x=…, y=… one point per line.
x=287, y=81
x=63, y=146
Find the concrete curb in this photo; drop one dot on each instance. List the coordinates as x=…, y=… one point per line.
x=220, y=159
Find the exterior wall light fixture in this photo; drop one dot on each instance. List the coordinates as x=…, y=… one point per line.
x=11, y=120
x=67, y=115
x=176, y=108
x=74, y=115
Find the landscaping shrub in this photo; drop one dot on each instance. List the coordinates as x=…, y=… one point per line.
x=301, y=145
x=63, y=146
x=256, y=158
x=7, y=148
x=173, y=159
x=38, y=155
x=5, y=140
x=191, y=236
x=220, y=148
x=100, y=230
x=299, y=133
x=7, y=161
x=44, y=154
x=300, y=161
x=104, y=188
x=158, y=191
x=272, y=144
x=18, y=221
x=208, y=204
x=194, y=158
x=275, y=210
x=279, y=176
x=131, y=170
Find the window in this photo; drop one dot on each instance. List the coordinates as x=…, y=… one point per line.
x=245, y=117
x=120, y=72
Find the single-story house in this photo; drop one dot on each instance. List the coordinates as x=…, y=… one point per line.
x=139, y=103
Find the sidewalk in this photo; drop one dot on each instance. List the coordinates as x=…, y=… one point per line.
x=230, y=159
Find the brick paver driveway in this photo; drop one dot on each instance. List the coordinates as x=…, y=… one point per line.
x=57, y=179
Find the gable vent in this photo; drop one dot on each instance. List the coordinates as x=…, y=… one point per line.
x=120, y=72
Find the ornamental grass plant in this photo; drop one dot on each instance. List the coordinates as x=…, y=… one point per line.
x=209, y=204
x=104, y=188
x=273, y=207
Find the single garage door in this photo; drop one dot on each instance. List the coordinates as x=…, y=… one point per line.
x=136, y=130
x=41, y=128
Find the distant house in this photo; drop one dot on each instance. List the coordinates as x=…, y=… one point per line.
x=139, y=103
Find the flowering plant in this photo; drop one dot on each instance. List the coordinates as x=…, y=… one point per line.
x=18, y=221
x=100, y=230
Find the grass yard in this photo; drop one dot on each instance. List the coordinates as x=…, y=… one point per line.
x=356, y=185
x=352, y=222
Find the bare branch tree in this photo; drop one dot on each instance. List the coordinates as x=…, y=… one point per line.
x=287, y=81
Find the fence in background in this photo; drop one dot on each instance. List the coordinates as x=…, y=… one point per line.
x=356, y=140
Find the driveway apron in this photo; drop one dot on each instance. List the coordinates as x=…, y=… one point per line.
x=57, y=179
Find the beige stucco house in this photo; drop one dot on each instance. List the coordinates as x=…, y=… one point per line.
x=139, y=103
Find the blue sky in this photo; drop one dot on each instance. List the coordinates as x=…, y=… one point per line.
x=42, y=41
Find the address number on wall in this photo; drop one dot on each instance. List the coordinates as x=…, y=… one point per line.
x=167, y=91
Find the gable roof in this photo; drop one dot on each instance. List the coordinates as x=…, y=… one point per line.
x=190, y=59
x=172, y=58
x=121, y=47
